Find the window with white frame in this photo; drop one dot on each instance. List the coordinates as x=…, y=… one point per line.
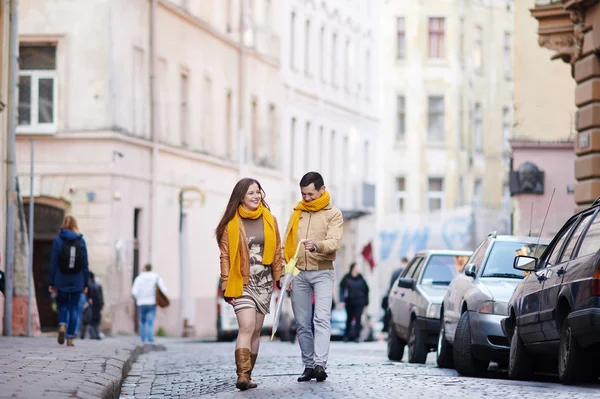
x=184, y=109
x=38, y=97
x=273, y=137
x=366, y=169
x=307, y=48
x=207, y=128
x=435, y=118
x=478, y=50
x=401, y=38
x=334, y=60
x=400, y=118
x=478, y=127
x=293, y=41
x=229, y=125
x=400, y=195
x=507, y=55
x=435, y=193
x=437, y=35
x=347, y=66
x=506, y=128
x=322, y=71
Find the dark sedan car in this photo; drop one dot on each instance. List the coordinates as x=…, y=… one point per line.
x=555, y=313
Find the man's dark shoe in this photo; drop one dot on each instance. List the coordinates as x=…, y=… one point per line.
x=308, y=375
x=320, y=374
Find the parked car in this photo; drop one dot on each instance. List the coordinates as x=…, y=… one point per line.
x=227, y=327
x=476, y=302
x=555, y=312
x=415, y=300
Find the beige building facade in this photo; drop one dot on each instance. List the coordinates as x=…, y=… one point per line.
x=447, y=98
x=129, y=103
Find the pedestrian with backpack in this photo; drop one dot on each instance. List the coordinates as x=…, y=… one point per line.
x=69, y=275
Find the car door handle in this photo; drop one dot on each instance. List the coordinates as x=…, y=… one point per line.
x=541, y=278
x=402, y=294
x=560, y=272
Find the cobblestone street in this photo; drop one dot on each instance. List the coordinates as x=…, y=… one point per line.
x=192, y=369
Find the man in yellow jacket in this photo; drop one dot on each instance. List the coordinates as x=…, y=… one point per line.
x=319, y=226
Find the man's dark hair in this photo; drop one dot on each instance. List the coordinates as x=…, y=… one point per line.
x=404, y=259
x=310, y=178
x=148, y=267
x=92, y=275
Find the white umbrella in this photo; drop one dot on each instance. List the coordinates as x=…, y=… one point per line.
x=290, y=272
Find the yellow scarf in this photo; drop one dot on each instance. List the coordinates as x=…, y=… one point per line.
x=235, y=282
x=291, y=238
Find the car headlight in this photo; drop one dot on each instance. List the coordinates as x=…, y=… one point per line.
x=493, y=307
x=433, y=311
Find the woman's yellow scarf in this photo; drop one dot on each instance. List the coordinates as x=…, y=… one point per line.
x=235, y=282
x=291, y=239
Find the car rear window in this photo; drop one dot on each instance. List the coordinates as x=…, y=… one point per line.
x=441, y=269
x=501, y=258
x=591, y=241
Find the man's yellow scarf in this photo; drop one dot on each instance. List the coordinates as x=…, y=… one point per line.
x=291, y=238
x=235, y=282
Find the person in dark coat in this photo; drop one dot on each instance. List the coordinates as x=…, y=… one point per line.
x=355, y=295
x=69, y=275
x=96, y=303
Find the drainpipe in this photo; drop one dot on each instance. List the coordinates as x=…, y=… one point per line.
x=153, y=129
x=11, y=191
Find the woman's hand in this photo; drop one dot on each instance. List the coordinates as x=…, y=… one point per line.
x=230, y=300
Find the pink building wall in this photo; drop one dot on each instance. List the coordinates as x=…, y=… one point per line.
x=557, y=161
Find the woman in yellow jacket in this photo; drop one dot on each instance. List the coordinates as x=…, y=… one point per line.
x=251, y=260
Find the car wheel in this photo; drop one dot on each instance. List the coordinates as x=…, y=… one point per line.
x=395, y=346
x=520, y=361
x=464, y=361
x=445, y=357
x=573, y=365
x=417, y=352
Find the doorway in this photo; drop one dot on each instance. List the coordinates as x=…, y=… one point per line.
x=47, y=221
x=136, y=259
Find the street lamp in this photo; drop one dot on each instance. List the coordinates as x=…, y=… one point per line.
x=184, y=203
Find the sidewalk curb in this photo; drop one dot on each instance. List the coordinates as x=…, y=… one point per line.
x=108, y=384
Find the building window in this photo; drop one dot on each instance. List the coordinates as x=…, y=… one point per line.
x=368, y=76
x=478, y=50
x=400, y=118
x=293, y=148
x=347, y=66
x=436, y=37
x=435, y=119
x=37, y=89
x=435, y=193
x=207, y=133
x=401, y=196
x=322, y=54
x=507, y=55
x=401, y=38
x=229, y=16
x=334, y=60
x=506, y=128
x=307, y=142
x=293, y=42
x=332, y=164
x=461, y=42
x=478, y=127
x=366, y=162
x=307, y=49
x=319, y=149
x=228, y=125
x=273, y=155
x=477, y=192
x=461, y=192
x=255, y=133
x=184, y=107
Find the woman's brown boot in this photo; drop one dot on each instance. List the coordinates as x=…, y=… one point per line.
x=253, y=357
x=244, y=365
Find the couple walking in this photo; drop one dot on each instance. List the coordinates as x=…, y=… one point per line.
x=251, y=263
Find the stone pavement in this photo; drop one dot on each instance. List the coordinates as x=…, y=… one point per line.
x=194, y=369
x=32, y=368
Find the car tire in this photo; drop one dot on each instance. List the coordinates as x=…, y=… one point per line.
x=573, y=364
x=417, y=352
x=445, y=357
x=464, y=361
x=395, y=346
x=520, y=361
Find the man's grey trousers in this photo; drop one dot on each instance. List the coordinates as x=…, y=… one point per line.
x=315, y=350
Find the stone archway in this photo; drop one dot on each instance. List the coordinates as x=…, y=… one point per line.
x=48, y=215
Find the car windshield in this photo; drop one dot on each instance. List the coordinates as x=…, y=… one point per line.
x=441, y=269
x=502, y=256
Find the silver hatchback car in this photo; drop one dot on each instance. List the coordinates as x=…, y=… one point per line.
x=415, y=300
x=477, y=300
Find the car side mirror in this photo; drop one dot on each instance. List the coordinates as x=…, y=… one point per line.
x=408, y=283
x=471, y=270
x=525, y=263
